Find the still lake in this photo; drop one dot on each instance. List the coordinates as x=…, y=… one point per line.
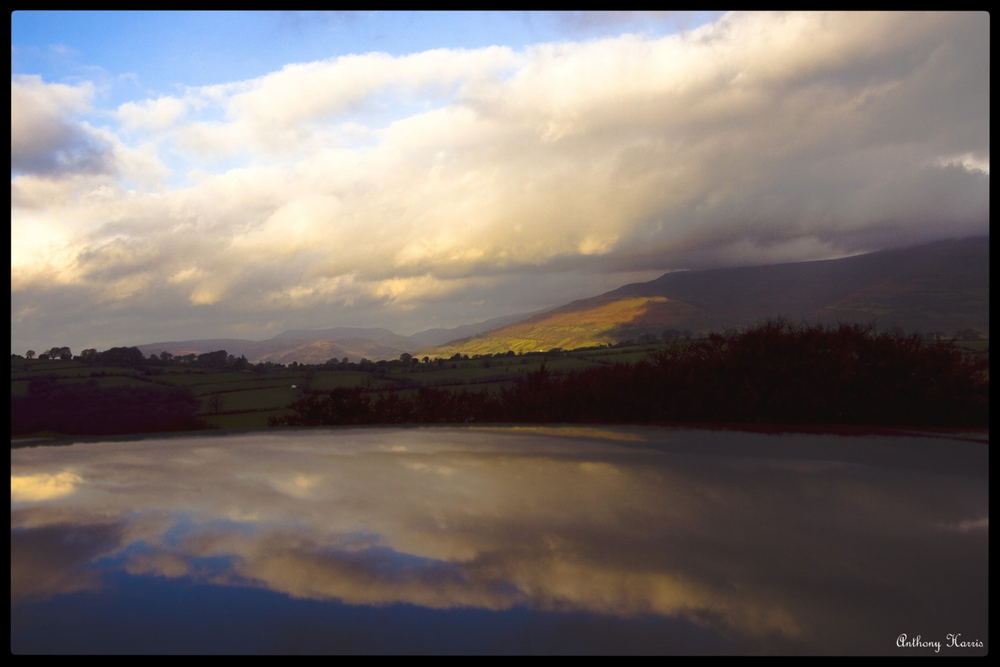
x=502, y=540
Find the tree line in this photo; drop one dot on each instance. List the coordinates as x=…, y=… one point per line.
x=773, y=373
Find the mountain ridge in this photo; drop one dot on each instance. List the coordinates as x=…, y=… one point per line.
x=941, y=286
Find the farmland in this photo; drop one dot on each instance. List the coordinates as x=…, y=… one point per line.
x=787, y=372
x=248, y=398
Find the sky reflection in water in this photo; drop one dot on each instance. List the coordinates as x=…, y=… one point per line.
x=521, y=540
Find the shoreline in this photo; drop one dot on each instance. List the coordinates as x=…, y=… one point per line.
x=968, y=434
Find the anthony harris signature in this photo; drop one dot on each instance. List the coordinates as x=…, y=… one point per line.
x=951, y=641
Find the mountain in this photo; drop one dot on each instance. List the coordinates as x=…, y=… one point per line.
x=941, y=286
x=304, y=347
x=315, y=346
x=431, y=337
x=383, y=336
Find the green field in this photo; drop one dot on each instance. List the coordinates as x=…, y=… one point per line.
x=247, y=399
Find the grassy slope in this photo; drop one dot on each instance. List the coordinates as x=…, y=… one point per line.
x=565, y=329
x=937, y=287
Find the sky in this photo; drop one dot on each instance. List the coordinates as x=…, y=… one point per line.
x=181, y=175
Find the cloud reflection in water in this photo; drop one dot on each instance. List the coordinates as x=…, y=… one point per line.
x=788, y=547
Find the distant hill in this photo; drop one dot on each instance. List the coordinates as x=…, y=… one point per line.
x=304, y=347
x=942, y=286
x=316, y=346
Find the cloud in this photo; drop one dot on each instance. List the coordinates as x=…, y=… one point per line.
x=373, y=180
x=158, y=114
x=44, y=138
x=281, y=112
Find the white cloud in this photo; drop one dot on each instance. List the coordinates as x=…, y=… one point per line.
x=158, y=114
x=314, y=91
x=372, y=179
x=44, y=138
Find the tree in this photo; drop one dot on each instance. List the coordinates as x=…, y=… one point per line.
x=60, y=353
x=215, y=403
x=215, y=359
x=129, y=357
x=30, y=354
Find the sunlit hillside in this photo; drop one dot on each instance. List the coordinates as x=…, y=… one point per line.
x=938, y=287
x=565, y=328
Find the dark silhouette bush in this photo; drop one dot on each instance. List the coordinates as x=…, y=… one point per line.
x=87, y=408
x=772, y=373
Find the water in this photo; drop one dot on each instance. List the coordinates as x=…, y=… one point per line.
x=506, y=540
